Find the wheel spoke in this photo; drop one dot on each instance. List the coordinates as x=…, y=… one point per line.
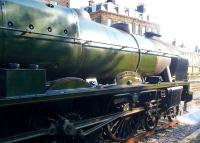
x=129, y=127
x=117, y=129
x=113, y=128
x=122, y=129
x=151, y=121
x=125, y=132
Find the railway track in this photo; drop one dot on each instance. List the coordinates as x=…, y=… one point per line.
x=164, y=124
x=195, y=86
x=161, y=126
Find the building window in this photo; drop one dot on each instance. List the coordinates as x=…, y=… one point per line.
x=133, y=28
x=109, y=22
x=117, y=9
x=136, y=29
x=127, y=12
x=143, y=30
x=130, y=27
x=104, y=7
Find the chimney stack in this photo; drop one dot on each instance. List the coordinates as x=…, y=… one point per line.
x=174, y=42
x=113, y=1
x=197, y=49
x=91, y=2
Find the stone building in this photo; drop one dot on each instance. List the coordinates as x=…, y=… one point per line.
x=109, y=13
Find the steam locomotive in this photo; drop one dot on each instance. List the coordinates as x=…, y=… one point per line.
x=65, y=78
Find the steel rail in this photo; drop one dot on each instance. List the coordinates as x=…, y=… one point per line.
x=141, y=135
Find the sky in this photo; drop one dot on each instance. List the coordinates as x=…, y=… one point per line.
x=178, y=19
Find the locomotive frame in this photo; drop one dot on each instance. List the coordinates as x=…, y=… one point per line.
x=143, y=102
x=70, y=109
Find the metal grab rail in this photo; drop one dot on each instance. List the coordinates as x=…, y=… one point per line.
x=86, y=42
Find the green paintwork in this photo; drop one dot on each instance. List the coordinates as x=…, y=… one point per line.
x=108, y=63
x=15, y=82
x=88, y=92
x=51, y=53
x=65, y=57
x=68, y=83
x=147, y=64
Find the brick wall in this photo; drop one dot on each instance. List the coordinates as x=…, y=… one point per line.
x=64, y=2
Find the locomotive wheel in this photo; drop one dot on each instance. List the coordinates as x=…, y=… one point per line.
x=68, y=110
x=123, y=128
x=150, y=121
x=51, y=113
x=172, y=113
